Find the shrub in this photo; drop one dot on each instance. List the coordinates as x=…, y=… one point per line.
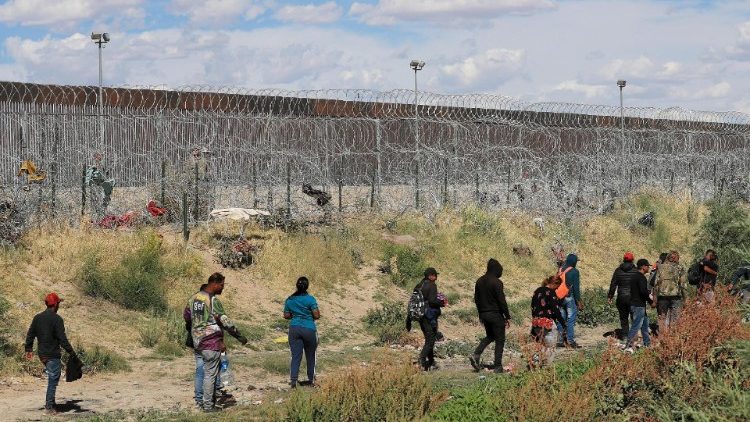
x=466, y=315
x=137, y=281
x=7, y=347
x=387, y=323
x=596, y=310
x=409, y=264
x=453, y=348
x=150, y=332
x=99, y=359
x=385, y=390
x=520, y=309
x=725, y=229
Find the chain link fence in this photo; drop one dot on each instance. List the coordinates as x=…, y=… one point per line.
x=201, y=148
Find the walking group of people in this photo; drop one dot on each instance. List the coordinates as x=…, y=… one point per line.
x=555, y=304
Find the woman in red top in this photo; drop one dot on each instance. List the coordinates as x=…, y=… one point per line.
x=545, y=311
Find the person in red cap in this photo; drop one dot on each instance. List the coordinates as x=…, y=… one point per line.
x=49, y=330
x=620, y=284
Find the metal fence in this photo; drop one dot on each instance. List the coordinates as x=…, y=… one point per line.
x=247, y=148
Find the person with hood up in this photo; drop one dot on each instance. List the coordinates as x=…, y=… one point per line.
x=621, y=280
x=429, y=322
x=493, y=313
x=571, y=303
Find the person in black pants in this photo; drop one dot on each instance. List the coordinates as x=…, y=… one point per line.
x=621, y=281
x=429, y=322
x=493, y=313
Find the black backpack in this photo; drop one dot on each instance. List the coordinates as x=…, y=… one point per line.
x=695, y=273
x=417, y=305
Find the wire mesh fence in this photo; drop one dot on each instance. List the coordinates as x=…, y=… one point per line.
x=203, y=148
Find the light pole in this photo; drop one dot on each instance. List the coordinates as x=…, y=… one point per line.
x=417, y=65
x=100, y=39
x=621, y=83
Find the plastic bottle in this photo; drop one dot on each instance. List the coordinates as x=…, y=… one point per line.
x=225, y=375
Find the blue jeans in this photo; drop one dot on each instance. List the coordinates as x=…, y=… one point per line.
x=569, y=312
x=199, y=379
x=302, y=339
x=640, y=322
x=52, y=368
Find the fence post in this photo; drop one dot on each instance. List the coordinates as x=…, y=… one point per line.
x=507, y=185
x=416, y=185
x=671, y=181
x=53, y=170
x=185, y=231
x=255, y=184
x=195, y=194
x=83, y=191
x=341, y=183
x=372, y=191
x=378, y=177
x=288, y=190
x=476, y=188
x=163, y=181
x=445, y=182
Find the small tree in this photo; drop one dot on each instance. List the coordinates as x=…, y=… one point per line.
x=726, y=229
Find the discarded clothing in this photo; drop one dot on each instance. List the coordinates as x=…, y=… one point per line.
x=321, y=197
x=29, y=168
x=154, y=209
x=237, y=213
x=114, y=221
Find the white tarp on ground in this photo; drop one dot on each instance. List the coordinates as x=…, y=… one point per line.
x=238, y=213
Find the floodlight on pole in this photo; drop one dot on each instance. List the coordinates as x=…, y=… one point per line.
x=100, y=38
x=621, y=83
x=417, y=65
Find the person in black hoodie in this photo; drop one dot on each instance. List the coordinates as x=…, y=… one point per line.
x=493, y=313
x=639, y=296
x=429, y=322
x=621, y=280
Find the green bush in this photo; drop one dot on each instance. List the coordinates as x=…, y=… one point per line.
x=453, y=348
x=387, y=323
x=466, y=315
x=137, y=281
x=520, y=309
x=597, y=310
x=7, y=348
x=166, y=327
x=99, y=359
x=409, y=264
x=725, y=229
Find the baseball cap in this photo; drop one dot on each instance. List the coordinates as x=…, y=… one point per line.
x=430, y=271
x=52, y=299
x=628, y=257
x=642, y=262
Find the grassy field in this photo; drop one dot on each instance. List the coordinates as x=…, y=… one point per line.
x=134, y=284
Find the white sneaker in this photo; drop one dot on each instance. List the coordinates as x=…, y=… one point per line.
x=629, y=350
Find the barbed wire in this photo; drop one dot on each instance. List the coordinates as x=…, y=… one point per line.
x=256, y=148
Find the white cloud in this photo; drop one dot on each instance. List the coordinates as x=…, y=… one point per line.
x=485, y=70
x=741, y=49
x=66, y=12
x=389, y=12
x=310, y=13
x=217, y=12
x=589, y=91
x=714, y=91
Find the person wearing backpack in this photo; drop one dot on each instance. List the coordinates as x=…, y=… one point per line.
x=620, y=284
x=669, y=287
x=639, y=296
x=428, y=322
x=493, y=314
x=571, y=302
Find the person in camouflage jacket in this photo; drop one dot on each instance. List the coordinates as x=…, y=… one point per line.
x=668, y=287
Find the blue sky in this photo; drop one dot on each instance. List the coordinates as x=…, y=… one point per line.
x=692, y=54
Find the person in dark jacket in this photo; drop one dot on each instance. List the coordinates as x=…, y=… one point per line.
x=571, y=304
x=620, y=284
x=639, y=297
x=709, y=274
x=493, y=313
x=429, y=322
x=739, y=285
x=49, y=330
